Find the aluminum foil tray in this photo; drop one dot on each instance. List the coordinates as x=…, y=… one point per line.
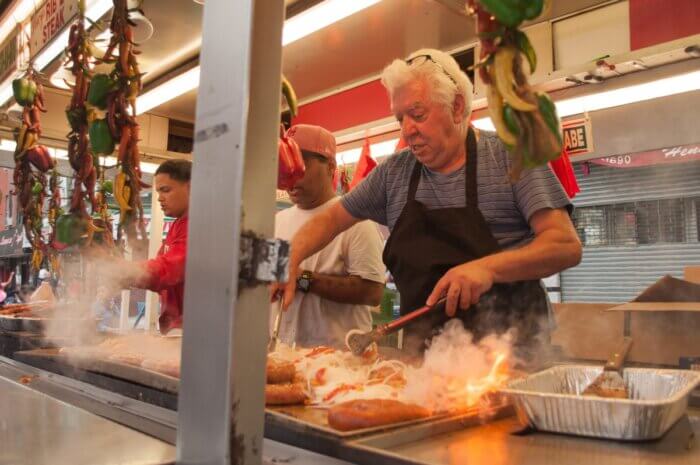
x=551, y=400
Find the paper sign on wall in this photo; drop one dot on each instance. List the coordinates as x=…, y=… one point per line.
x=578, y=137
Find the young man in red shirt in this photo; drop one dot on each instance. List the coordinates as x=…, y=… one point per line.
x=165, y=273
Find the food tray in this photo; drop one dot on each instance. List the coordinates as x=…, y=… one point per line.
x=551, y=400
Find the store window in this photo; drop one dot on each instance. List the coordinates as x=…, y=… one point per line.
x=639, y=223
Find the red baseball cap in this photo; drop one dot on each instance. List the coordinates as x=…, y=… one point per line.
x=313, y=139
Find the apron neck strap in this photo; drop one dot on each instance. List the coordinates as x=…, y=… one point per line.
x=470, y=190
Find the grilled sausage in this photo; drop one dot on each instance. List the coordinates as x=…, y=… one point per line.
x=366, y=413
x=279, y=372
x=284, y=394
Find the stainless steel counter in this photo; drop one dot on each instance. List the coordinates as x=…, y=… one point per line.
x=501, y=443
x=37, y=429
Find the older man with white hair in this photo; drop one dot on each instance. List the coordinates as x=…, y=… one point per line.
x=459, y=228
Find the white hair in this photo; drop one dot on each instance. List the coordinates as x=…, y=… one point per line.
x=436, y=72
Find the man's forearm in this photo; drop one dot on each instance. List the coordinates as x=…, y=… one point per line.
x=549, y=253
x=347, y=289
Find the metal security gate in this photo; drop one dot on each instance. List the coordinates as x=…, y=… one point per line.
x=637, y=225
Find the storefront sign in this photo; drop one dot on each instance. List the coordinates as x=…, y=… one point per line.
x=49, y=21
x=578, y=137
x=11, y=240
x=8, y=56
x=679, y=154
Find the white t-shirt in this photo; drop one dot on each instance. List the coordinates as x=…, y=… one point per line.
x=310, y=319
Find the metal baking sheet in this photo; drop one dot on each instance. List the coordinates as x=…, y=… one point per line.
x=368, y=445
x=306, y=418
x=124, y=371
x=551, y=400
x=446, y=424
x=37, y=324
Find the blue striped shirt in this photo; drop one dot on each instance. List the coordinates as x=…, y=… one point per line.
x=506, y=207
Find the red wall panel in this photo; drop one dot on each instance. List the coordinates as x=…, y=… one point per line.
x=352, y=107
x=656, y=21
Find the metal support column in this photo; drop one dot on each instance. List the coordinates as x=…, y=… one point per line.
x=221, y=398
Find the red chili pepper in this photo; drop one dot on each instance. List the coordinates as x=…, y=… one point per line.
x=320, y=350
x=320, y=378
x=338, y=390
x=291, y=164
x=39, y=157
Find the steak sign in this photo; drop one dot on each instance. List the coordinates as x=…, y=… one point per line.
x=49, y=21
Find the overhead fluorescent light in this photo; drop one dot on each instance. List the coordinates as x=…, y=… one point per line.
x=379, y=149
x=311, y=20
x=180, y=84
x=319, y=16
x=303, y=24
x=664, y=87
x=146, y=167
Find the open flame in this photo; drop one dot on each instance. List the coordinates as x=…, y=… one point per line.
x=457, y=374
x=466, y=393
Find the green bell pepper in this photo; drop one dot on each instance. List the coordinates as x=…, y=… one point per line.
x=24, y=91
x=69, y=229
x=37, y=188
x=100, y=86
x=107, y=187
x=101, y=139
x=510, y=119
x=532, y=8
x=76, y=117
x=507, y=12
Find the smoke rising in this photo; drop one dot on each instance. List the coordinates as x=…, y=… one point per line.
x=454, y=367
x=88, y=283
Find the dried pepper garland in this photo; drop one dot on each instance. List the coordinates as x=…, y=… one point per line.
x=116, y=94
x=526, y=121
x=77, y=226
x=32, y=162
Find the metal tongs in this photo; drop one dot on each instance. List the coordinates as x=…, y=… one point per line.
x=272, y=345
x=358, y=342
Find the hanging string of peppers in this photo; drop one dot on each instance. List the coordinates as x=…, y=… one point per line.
x=55, y=212
x=32, y=162
x=115, y=93
x=77, y=226
x=526, y=121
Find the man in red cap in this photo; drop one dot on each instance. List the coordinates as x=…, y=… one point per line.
x=337, y=285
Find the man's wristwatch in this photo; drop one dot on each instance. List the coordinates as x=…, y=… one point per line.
x=304, y=281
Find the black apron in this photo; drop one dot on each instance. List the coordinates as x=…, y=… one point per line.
x=425, y=244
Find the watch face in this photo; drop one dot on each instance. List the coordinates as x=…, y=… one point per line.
x=303, y=284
